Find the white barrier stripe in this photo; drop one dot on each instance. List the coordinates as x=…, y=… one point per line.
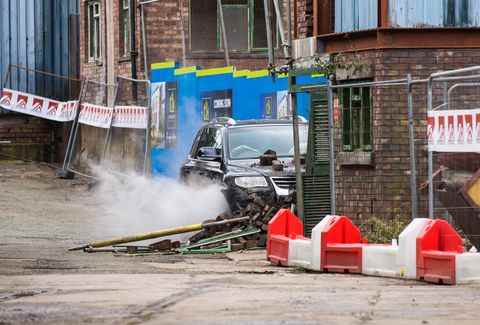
x=134, y=117
x=20, y=102
x=454, y=130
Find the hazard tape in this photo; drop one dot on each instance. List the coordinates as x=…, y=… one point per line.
x=133, y=117
x=454, y=130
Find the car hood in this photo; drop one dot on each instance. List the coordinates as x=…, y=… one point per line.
x=250, y=166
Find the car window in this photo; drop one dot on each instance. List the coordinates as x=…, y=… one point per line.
x=250, y=142
x=211, y=137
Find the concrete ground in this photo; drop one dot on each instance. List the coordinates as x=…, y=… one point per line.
x=40, y=282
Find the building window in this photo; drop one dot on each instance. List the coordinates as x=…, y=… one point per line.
x=125, y=28
x=93, y=23
x=356, y=105
x=244, y=25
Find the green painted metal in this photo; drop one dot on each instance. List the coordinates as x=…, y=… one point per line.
x=316, y=180
x=219, y=239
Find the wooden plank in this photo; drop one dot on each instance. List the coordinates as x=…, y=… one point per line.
x=323, y=17
x=383, y=15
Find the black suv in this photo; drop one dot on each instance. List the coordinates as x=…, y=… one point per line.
x=254, y=156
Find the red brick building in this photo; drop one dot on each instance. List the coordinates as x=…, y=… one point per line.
x=186, y=31
x=390, y=39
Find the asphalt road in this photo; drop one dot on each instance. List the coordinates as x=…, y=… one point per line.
x=42, y=283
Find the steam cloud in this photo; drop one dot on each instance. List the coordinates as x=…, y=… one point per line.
x=133, y=203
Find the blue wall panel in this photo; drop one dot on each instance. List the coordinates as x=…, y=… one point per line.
x=35, y=34
x=248, y=94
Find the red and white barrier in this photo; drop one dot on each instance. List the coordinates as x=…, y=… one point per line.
x=133, y=117
x=283, y=227
x=38, y=106
x=428, y=250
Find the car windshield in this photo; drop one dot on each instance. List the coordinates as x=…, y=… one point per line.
x=250, y=142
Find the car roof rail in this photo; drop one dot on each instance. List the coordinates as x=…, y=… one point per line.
x=224, y=120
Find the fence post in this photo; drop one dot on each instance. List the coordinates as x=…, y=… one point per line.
x=331, y=156
x=430, y=154
x=146, y=163
x=64, y=172
x=413, y=165
x=108, y=136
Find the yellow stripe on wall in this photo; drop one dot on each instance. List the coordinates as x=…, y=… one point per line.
x=163, y=65
x=214, y=71
x=184, y=70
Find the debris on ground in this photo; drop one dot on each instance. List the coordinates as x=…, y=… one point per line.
x=244, y=229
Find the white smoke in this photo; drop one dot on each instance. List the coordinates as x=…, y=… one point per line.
x=132, y=203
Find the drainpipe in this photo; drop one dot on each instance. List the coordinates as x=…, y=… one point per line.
x=133, y=42
x=146, y=70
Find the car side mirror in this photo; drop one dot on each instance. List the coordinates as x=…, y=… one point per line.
x=210, y=154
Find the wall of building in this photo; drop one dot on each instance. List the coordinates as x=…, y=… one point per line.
x=428, y=13
x=383, y=189
x=37, y=35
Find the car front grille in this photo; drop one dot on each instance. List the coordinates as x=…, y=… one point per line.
x=284, y=182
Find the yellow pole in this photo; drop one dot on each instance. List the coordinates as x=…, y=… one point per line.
x=134, y=238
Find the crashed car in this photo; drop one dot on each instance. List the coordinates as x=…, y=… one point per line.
x=245, y=157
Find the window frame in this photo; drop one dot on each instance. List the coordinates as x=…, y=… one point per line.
x=361, y=132
x=250, y=5
x=125, y=29
x=94, y=41
x=202, y=134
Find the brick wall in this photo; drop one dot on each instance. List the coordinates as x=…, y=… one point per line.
x=97, y=70
x=164, y=36
x=383, y=189
x=163, y=21
x=25, y=137
x=304, y=20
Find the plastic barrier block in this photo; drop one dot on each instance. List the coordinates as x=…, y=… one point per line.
x=380, y=260
x=305, y=252
x=467, y=267
x=317, y=242
x=437, y=247
x=407, y=248
x=341, y=246
x=277, y=250
x=300, y=253
x=283, y=227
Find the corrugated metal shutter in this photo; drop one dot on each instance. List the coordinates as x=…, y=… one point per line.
x=36, y=35
x=434, y=13
x=317, y=178
x=352, y=15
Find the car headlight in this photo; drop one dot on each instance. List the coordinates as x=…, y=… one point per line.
x=249, y=182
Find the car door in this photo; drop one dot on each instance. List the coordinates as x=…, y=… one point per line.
x=188, y=167
x=202, y=169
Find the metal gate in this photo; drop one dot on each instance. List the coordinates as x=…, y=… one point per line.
x=454, y=149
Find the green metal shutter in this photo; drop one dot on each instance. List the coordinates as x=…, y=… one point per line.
x=317, y=179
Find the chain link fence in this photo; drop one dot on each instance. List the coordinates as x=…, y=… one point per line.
x=93, y=119
x=126, y=145
x=454, y=156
